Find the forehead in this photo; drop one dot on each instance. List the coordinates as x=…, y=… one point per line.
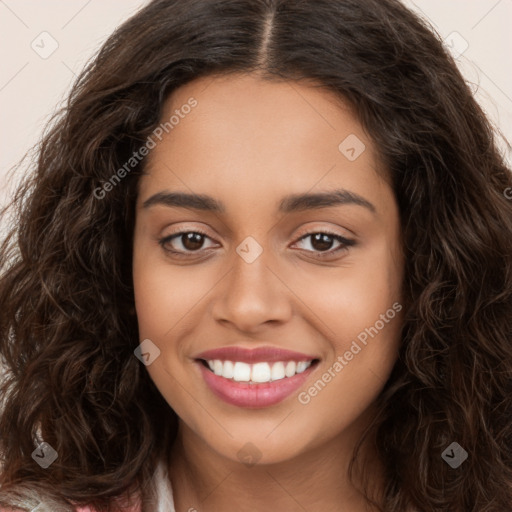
x=249, y=137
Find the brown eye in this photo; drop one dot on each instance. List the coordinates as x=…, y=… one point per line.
x=192, y=241
x=322, y=242
x=184, y=242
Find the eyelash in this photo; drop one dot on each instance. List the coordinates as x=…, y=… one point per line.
x=346, y=243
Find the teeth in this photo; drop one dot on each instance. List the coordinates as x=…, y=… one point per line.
x=301, y=366
x=260, y=372
x=242, y=372
x=257, y=372
x=290, y=368
x=217, y=367
x=277, y=371
x=228, y=370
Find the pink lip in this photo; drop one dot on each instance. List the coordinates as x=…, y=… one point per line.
x=254, y=355
x=243, y=394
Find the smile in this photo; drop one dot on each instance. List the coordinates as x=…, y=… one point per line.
x=254, y=378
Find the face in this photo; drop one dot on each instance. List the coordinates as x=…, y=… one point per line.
x=285, y=280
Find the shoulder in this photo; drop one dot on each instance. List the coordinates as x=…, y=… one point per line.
x=30, y=501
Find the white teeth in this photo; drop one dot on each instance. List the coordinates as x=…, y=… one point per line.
x=290, y=368
x=228, y=370
x=242, y=372
x=257, y=372
x=260, y=372
x=277, y=371
x=217, y=367
x=301, y=366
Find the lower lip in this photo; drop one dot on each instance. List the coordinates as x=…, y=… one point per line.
x=243, y=394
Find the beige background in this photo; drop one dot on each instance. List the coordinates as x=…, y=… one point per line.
x=31, y=87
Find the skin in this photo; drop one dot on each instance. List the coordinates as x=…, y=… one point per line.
x=249, y=143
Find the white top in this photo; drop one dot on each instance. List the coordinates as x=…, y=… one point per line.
x=164, y=490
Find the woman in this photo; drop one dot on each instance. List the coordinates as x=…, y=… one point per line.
x=179, y=329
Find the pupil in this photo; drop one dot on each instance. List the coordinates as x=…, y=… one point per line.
x=192, y=241
x=322, y=241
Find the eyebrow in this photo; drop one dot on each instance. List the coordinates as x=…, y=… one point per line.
x=290, y=203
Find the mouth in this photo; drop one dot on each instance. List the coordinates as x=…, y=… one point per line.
x=255, y=385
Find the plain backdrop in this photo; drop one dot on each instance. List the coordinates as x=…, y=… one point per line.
x=46, y=43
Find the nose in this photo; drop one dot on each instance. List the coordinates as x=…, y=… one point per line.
x=252, y=295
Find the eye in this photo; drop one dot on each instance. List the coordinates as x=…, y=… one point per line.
x=187, y=242
x=322, y=241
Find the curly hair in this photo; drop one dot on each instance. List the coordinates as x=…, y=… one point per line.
x=67, y=323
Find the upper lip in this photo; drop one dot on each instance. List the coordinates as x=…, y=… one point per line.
x=254, y=355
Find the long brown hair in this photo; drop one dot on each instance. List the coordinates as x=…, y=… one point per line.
x=67, y=328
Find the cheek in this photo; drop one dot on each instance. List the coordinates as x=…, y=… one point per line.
x=166, y=294
x=364, y=351
x=359, y=311
x=348, y=300
x=164, y=300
